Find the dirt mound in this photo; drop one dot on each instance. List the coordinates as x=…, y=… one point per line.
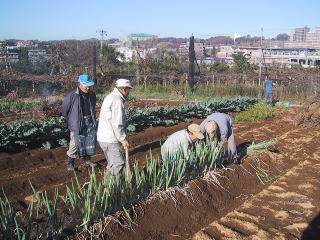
x=310, y=113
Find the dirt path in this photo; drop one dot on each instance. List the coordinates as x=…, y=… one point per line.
x=281, y=211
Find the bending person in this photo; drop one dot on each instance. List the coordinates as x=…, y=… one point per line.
x=219, y=125
x=180, y=142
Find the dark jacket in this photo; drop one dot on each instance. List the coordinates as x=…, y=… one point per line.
x=72, y=110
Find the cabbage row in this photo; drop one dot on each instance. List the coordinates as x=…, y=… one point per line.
x=21, y=134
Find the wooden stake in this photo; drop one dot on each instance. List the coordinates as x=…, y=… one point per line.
x=127, y=164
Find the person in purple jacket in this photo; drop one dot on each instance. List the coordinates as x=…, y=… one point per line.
x=219, y=125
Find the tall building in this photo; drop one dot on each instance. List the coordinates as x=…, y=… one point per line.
x=313, y=38
x=299, y=34
x=303, y=38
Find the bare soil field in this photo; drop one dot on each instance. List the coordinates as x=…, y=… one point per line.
x=228, y=203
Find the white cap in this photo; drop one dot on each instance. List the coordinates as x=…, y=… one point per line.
x=123, y=83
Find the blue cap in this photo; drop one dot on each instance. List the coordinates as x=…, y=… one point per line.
x=85, y=80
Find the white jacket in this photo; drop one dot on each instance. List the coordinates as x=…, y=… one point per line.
x=112, y=126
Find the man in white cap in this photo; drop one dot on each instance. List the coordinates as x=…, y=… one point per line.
x=219, y=125
x=78, y=108
x=179, y=142
x=112, y=129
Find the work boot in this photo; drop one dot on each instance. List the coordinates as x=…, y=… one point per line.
x=87, y=161
x=237, y=161
x=70, y=164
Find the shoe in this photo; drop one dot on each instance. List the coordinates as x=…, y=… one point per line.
x=237, y=162
x=70, y=164
x=88, y=162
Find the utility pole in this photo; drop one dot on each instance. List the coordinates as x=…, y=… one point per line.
x=102, y=33
x=191, y=64
x=94, y=64
x=260, y=64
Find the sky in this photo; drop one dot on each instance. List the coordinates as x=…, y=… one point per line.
x=81, y=19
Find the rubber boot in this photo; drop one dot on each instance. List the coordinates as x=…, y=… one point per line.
x=87, y=161
x=70, y=164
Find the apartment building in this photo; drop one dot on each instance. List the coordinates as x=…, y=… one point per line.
x=303, y=38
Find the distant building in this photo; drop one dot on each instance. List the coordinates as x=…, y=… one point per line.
x=23, y=44
x=299, y=34
x=136, y=39
x=36, y=55
x=199, y=49
x=306, y=57
x=129, y=53
x=303, y=38
x=206, y=60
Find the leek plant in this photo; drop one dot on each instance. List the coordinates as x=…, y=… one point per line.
x=49, y=208
x=14, y=225
x=104, y=195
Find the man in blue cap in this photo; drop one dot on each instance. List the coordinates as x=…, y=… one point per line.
x=78, y=108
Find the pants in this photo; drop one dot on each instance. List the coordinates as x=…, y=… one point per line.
x=268, y=98
x=72, y=152
x=114, y=156
x=232, y=148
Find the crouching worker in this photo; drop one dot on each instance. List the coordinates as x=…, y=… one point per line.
x=180, y=142
x=112, y=129
x=219, y=126
x=78, y=108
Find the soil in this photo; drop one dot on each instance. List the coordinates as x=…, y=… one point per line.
x=310, y=114
x=229, y=203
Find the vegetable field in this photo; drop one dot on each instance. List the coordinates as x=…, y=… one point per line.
x=182, y=201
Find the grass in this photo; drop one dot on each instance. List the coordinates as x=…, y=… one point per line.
x=291, y=92
x=295, y=92
x=257, y=112
x=203, y=91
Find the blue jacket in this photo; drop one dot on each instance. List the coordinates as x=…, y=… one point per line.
x=268, y=87
x=72, y=110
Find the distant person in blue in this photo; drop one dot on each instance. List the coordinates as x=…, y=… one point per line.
x=78, y=108
x=268, y=92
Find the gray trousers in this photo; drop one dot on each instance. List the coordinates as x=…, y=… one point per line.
x=114, y=156
x=268, y=98
x=72, y=151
